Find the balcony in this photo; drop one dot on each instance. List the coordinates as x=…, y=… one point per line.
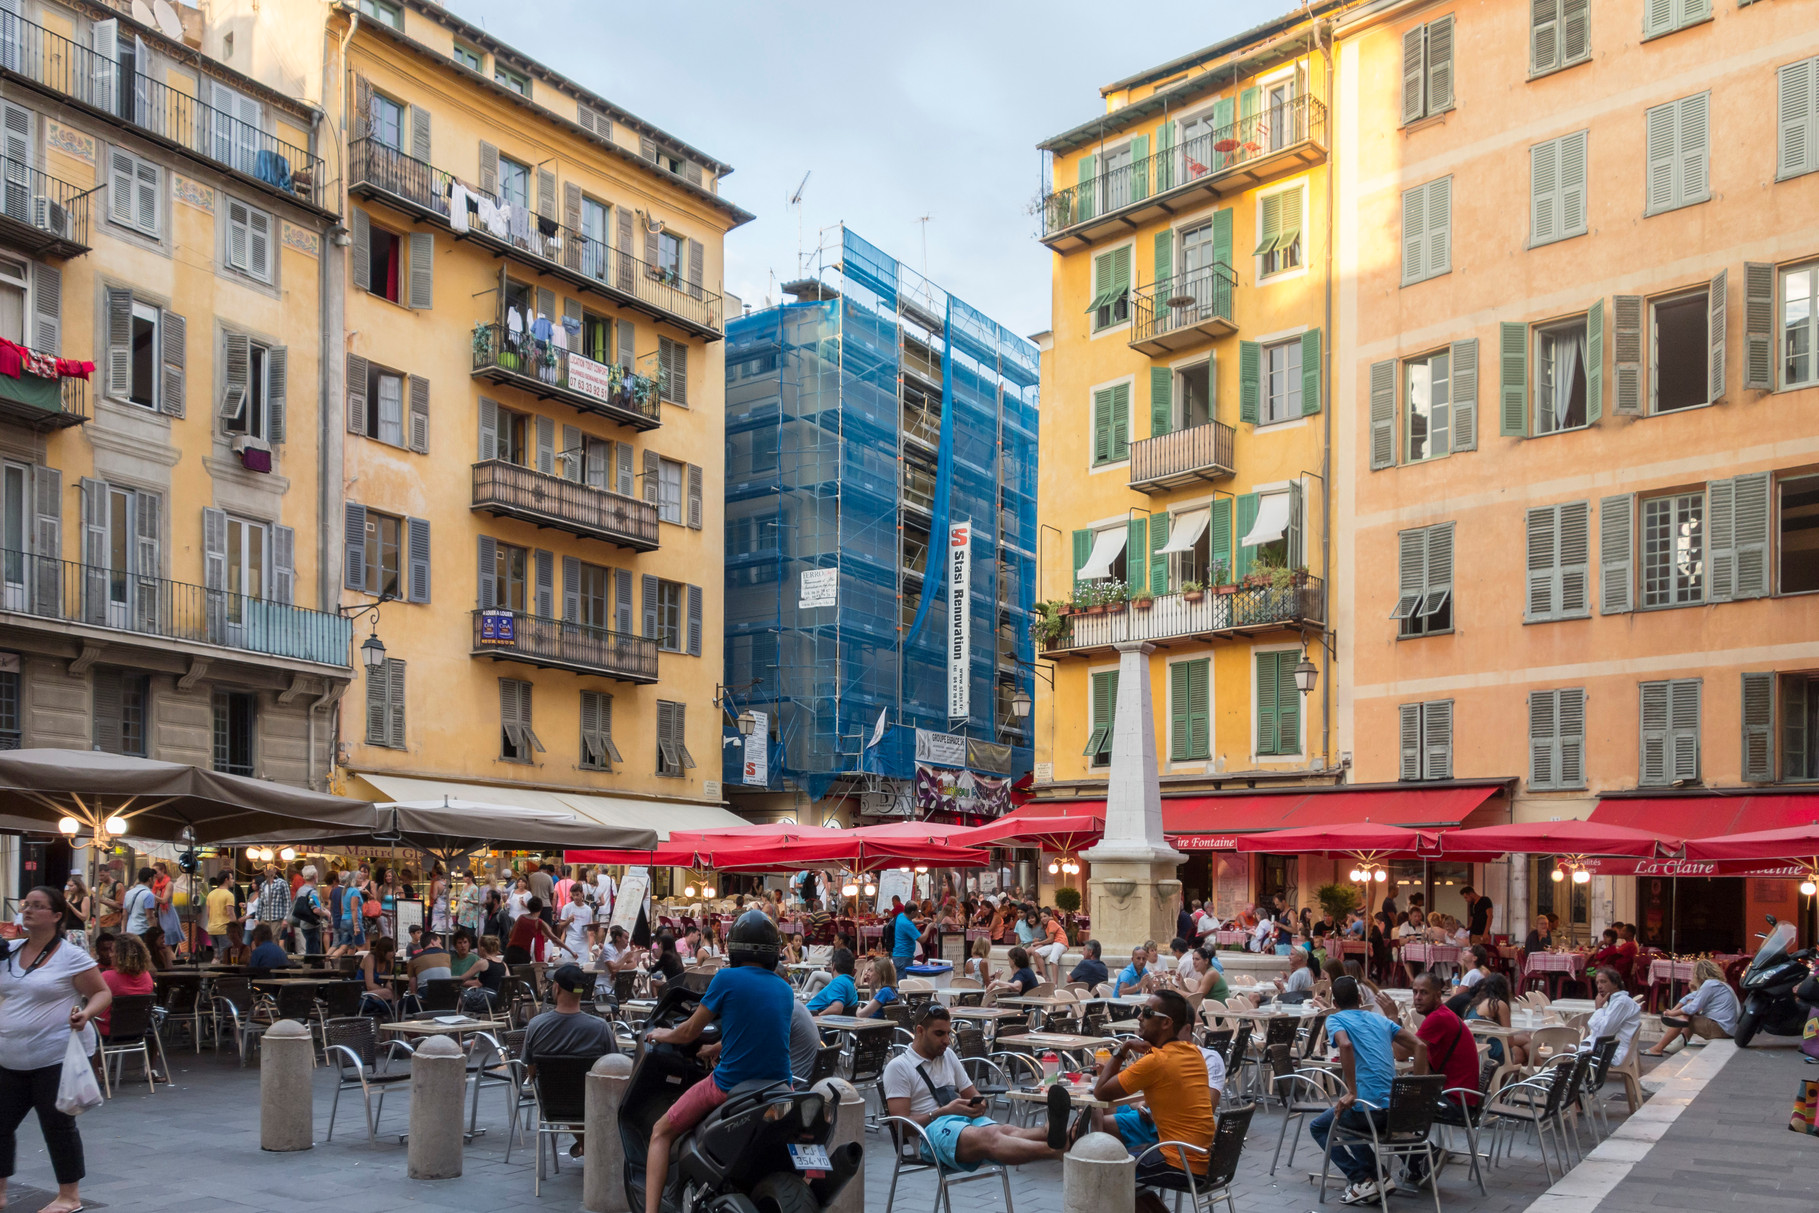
x=548, y=372
x=65, y=70
x=154, y=612
x=1266, y=145
x=553, y=644
x=508, y=490
x=41, y=404
x=1172, y=619
x=384, y=174
x=40, y=214
x=1184, y=311
x=1168, y=461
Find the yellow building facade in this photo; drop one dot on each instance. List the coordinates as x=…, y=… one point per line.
x=1187, y=417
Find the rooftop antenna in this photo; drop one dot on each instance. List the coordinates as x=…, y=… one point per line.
x=924, y=222
x=796, y=201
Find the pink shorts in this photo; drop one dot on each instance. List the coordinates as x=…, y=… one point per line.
x=695, y=1104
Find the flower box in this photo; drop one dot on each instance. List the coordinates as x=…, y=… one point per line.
x=1143, y=604
x=1192, y=595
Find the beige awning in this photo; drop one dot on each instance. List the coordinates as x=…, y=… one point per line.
x=618, y=812
x=1187, y=531
x=1272, y=520
x=1106, y=546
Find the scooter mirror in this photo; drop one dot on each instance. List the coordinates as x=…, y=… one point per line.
x=1771, y=919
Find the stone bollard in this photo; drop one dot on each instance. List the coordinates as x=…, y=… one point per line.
x=1098, y=1174
x=438, y=1083
x=849, y=1125
x=286, y=1107
x=603, y=1166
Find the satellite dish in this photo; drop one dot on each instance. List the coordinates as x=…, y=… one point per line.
x=142, y=13
x=165, y=16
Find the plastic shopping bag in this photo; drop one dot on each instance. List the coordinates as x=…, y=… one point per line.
x=77, y=1090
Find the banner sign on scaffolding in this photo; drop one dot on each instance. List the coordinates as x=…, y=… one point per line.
x=820, y=588
x=959, y=620
x=757, y=751
x=940, y=749
x=944, y=790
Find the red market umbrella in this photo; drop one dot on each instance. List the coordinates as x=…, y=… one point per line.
x=1797, y=842
x=910, y=831
x=1066, y=835
x=1569, y=837
x=758, y=835
x=1364, y=839
x=855, y=854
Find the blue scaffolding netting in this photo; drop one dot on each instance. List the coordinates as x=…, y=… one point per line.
x=860, y=421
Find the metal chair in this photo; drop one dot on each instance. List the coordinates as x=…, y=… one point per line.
x=560, y=1085
x=1601, y=1054
x=493, y=1062
x=129, y=1031
x=231, y=1000
x=441, y=995
x=866, y=1062
x=1408, y=1122
x=1275, y=1051
x=180, y=1002
x=913, y=1153
x=1536, y=1102
x=1203, y=1189
x=827, y=1063
x=351, y=1045
x=1304, y=1093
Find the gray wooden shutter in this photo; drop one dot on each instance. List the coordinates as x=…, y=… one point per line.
x=1653, y=712
x=622, y=601
x=1512, y=379
x=625, y=255
x=489, y=430
x=363, y=107
x=47, y=312
x=1439, y=573
x=572, y=455
x=419, y=549
x=1465, y=394
x=356, y=394
x=1310, y=373
x=1543, y=563
x=47, y=537
x=650, y=606
x=1753, y=519
x=1570, y=719
x=1438, y=258
x=1758, y=728
x=394, y=703
x=173, y=334
x=545, y=563
x=1411, y=572
x=1683, y=725
x=1616, y=543
x=694, y=497
x=626, y=472
x=1437, y=739
x=1571, y=196
x=489, y=170
x=1414, y=233
x=236, y=367
x=1720, y=540
x=487, y=582
x=419, y=421
x=1693, y=153
x=679, y=372
x=353, y=547
x=376, y=711
x=423, y=270
x=571, y=589
x=546, y=193
x=1409, y=729
x=1797, y=128
x=694, y=621
x=1543, y=36
x=1575, y=30
x=1662, y=137
x=627, y=345
x=360, y=227
x=1657, y=17
x=697, y=258
x=420, y=133
x=1718, y=320
x=1626, y=351
x=1594, y=362
x=1383, y=414
x=571, y=219
x=1573, y=555
x=1440, y=64
x=277, y=390
x=1543, y=739
x=546, y=445
x=650, y=246
x=1544, y=192
x=652, y=464
x=119, y=343
x=284, y=564
x=1759, y=325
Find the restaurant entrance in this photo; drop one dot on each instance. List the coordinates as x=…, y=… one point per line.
x=1690, y=914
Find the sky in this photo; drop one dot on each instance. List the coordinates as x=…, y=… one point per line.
x=894, y=111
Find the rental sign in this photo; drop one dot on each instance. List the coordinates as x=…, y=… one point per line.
x=959, y=619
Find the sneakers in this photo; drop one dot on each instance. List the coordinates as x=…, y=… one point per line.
x=1366, y=1192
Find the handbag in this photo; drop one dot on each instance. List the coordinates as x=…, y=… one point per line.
x=946, y=1093
x=77, y=1090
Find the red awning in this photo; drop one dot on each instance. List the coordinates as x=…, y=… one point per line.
x=1709, y=816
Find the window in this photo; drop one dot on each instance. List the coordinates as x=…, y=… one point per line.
x=1798, y=550
x=247, y=554
x=143, y=351
x=467, y=57
x=384, y=11
x=514, y=438
x=514, y=182
x=673, y=758
x=385, y=405
x=594, y=217
x=671, y=251
x=1279, y=231
x=1111, y=288
x=120, y=701
x=11, y=734
x=1679, y=153
x=1673, y=550
x=15, y=281
x=598, y=753
x=1427, y=70
x=1556, y=189
x=1680, y=342
x=1790, y=701
x=383, y=532
x=1427, y=231
x=1112, y=424
x=1196, y=392
x=518, y=82
x=592, y=599
x=249, y=240
x=669, y=491
x=1428, y=416
x=1560, y=377
x=1665, y=16
x=1670, y=732
x=1282, y=381
x=1105, y=711
x=1278, y=721
x=1559, y=34
x=384, y=255
x=1556, y=739
x=1280, y=101
x=1190, y=710
x=510, y=584
x=235, y=715
x=670, y=597
x=246, y=403
x=1559, y=562
x=1426, y=731
x=1115, y=178
x=517, y=740
x=1424, y=576
x=386, y=122
x=134, y=192
x=597, y=333
x=1800, y=324
x=1797, y=136
x=385, y=705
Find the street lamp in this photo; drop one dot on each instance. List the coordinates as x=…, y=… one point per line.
x=372, y=653
x=1022, y=705
x=747, y=723
x=1581, y=876
x=1307, y=674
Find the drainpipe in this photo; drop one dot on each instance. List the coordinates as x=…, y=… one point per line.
x=1323, y=38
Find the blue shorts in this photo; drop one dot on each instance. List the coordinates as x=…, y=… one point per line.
x=944, y=1138
x=1136, y=1133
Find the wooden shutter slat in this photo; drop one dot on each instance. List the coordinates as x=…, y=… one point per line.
x=1383, y=414
x=1616, y=541
x=1464, y=364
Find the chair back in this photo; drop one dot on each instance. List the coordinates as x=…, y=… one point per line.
x=826, y=1061
x=697, y=979
x=237, y=992
x=969, y=1041
x=1280, y=1030
x=528, y=975
x=178, y=998
x=357, y=1033
x=1316, y=1036
x=900, y=1014
x=1551, y=1042
x=297, y=1001
x=1228, y=1145
x=1219, y=1040
x=440, y=994
x=1096, y=1022
x=1041, y=989
x=340, y=998
x=561, y=1084
x=870, y=1051
x=915, y=985
x=1413, y=1099
x=130, y=1017
x=963, y=983
x=1602, y=1052
x=625, y=985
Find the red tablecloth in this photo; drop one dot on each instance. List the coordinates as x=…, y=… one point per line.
x=1556, y=962
x=1227, y=937
x=1430, y=953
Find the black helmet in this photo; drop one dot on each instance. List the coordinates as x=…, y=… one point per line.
x=754, y=939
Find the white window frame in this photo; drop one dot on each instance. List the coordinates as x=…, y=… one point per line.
x=130, y=221
x=1811, y=324
x=1642, y=552
x=1300, y=267
x=529, y=181
x=247, y=263
x=23, y=281
x=1539, y=332
x=379, y=412
x=152, y=312
x=670, y=509
x=664, y=614
x=375, y=127
x=1103, y=205
x=1406, y=406
x=1266, y=415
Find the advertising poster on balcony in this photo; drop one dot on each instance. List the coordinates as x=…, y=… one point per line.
x=940, y=749
x=758, y=752
x=959, y=619
x=820, y=588
x=498, y=627
x=589, y=377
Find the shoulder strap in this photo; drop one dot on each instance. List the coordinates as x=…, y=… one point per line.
x=928, y=1082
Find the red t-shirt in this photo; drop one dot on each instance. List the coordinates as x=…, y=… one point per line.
x=118, y=986
x=524, y=931
x=1451, y=1050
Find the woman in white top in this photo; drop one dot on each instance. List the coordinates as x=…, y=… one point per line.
x=518, y=899
x=40, y=984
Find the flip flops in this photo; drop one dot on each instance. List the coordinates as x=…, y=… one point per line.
x=1059, y=1104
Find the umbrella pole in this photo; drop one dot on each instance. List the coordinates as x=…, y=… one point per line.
x=1673, y=909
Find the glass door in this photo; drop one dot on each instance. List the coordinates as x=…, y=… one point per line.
x=1115, y=179
x=15, y=488
x=120, y=549
x=1281, y=131
x=246, y=549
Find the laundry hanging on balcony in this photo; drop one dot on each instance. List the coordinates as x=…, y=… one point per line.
x=16, y=358
x=1272, y=520
x=1106, y=547
x=1186, y=532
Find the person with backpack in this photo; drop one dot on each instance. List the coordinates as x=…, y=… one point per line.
x=307, y=914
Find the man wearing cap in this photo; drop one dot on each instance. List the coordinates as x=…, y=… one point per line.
x=567, y=1032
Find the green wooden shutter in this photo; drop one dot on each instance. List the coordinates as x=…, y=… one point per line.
x=1222, y=237
x=1288, y=704
x=1269, y=222
x=1512, y=379
x=1268, y=724
x=1544, y=192
x=1121, y=422
x=1465, y=395
x=1297, y=514
x=1102, y=426
x=1136, y=568
x=1758, y=728
x=1310, y=372
x=1574, y=556
x=1594, y=363
x=1223, y=119
x=1247, y=518
x=1543, y=36
x=1159, y=528
x=1572, y=184
x=1083, y=196
x=1693, y=153
x=1438, y=259
x=1200, y=708
x=1165, y=261
x=1162, y=404
x=1383, y=414
x=1575, y=39
x=1662, y=127
x=1250, y=380
x=1140, y=167
x=1165, y=162
x=1219, y=547
x=1179, y=684
x=1248, y=102
x=1616, y=539
x=1083, y=549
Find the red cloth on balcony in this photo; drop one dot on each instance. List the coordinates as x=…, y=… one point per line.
x=15, y=358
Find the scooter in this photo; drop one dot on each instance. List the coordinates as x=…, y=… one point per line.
x=1774, y=987
x=765, y=1150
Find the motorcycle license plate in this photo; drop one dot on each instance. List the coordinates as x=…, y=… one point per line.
x=810, y=1158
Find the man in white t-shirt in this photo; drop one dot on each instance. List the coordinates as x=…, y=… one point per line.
x=577, y=924
x=604, y=891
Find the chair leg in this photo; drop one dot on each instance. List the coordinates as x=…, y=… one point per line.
x=896, y=1170
x=1326, y=1161
x=1279, y=1139
x=1005, y=1175
x=333, y=1104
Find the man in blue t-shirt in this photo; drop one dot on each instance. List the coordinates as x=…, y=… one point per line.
x=1365, y=1041
x=753, y=1005
x=905, y=935
x=839, y=996
x=1132, y=976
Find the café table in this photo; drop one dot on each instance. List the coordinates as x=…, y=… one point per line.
x=989, y=1017
x=1229, y=938
x=1059, y=1041
x=1129, y=1001
x=458, y=1026
x=1554, y=967
x=1079, y=1094
x=1422, y=952
x=1047, y=1004
x=1573, y=1006
x=853, y=1024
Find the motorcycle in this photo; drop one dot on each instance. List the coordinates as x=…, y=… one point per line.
x=765, y=1150
x=1776, y=986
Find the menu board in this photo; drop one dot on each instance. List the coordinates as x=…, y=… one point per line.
x=409, y=911
x=628, y=907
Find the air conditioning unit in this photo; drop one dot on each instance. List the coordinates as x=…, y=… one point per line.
x=50, y=216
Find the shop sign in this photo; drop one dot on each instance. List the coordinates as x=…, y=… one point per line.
x=1203, y=842
x=757, y=752
x=590, y=378
x=959, y=620
x=820, y=588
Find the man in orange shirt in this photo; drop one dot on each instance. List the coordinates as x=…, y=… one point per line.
x=1170, y=1073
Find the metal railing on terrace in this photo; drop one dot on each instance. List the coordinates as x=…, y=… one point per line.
x=1184, y=310
x=158, y=609
x=1167, y=461
x=376, y=169
x=40, y=213
x=1204, y=160
x=59, y=65
x=559, y=644
x=545, y=369
x=515, y=491
x=43, y=404
x=1210, y=614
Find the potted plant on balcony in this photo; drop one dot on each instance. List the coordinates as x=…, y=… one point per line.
x=1192, y=591
x=1050, y=623
x=1262, y=574
x=1142, y=602
x=1299, y=577
x=1220, y=577
x=1116, y=595
x=483, y=343
x=1087, y=600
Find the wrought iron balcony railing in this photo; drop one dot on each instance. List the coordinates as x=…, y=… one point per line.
x=558, y=644
x=43, y=404
x=513, y=491
x=1184, y=310
x=40, y=213
x=1209, y=615
x=1168, y=461
x=548, y=371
